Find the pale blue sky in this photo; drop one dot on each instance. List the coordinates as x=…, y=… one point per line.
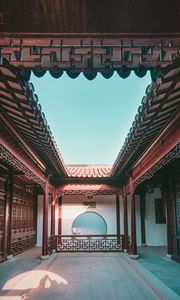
x=90, y=119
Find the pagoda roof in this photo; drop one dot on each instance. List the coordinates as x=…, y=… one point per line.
x=89, y=171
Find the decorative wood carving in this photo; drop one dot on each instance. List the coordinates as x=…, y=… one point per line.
x=12, y=161
x=89, y=243
x=167, y=159
x=86, y=192
x=85, y=54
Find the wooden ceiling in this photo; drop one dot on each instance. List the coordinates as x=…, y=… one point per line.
x=90, y=36
x=89, y=16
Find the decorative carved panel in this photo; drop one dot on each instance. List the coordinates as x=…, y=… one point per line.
x=167, y=159
x=84, y=54
x=89, y=243
x=21, y=244
x=14, y=162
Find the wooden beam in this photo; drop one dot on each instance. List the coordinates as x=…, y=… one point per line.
x=23, y=144
x=166, y=141
x=24, y=161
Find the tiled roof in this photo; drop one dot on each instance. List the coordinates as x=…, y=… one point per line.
x=88, y=171
x=21, y=107
x=161, y=101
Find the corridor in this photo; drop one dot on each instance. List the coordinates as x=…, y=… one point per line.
x=80, y=276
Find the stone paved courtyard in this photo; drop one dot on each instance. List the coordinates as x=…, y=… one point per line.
x=81, y=276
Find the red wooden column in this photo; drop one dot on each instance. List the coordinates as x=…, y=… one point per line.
x=8, y=215
x=53, y=206
x=60, y=215
x=117, y=217
x=133, y=221
x=45, y=222
x=125, y=217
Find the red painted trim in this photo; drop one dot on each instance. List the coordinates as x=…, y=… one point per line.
x=29, y=151
x=14, y=152
x=160, y=147
x=175, y=118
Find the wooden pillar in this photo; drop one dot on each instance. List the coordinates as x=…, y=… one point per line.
x=60, y=215
x=8, y=215
x=125, y=217
x=45, y=220
x=142, y=211
x=133, y=221
x=117, y=217
x=53, y=206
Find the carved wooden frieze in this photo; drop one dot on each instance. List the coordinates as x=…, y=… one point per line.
x=89, y=54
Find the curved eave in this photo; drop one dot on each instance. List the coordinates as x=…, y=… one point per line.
x=161, y=101
x=20, y=105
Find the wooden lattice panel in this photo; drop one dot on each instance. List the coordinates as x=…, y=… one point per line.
x=86, y=243
x=85, y=54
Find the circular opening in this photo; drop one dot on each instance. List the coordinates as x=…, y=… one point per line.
x=89, y=223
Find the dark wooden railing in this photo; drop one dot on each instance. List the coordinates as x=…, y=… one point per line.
x=86, y=243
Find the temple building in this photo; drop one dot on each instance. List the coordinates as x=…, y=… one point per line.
x=89, y=208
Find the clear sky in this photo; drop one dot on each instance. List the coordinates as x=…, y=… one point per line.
x=90, y=119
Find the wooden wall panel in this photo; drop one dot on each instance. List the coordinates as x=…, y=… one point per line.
x=23, y=219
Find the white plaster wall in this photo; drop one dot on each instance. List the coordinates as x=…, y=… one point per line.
x=39, y=221
x=121, y=215
x=56, y=219
x=72, y=206
x=156, y=234
x=129, y=215
x=138, y=219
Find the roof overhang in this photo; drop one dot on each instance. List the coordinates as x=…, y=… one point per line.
x=90, y=17
x=90, y=36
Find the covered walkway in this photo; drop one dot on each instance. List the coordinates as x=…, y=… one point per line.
x=91, y=276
